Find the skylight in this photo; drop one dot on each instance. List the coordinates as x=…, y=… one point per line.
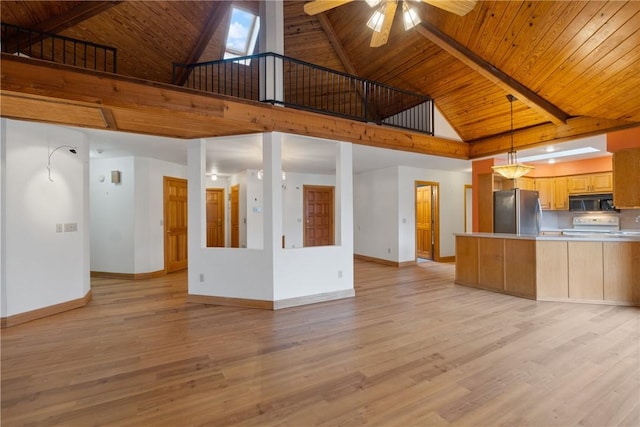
x=242, y=34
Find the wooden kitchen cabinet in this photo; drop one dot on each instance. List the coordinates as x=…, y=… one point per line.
x=519, y=271
x=491, y=264
x=524, y=183
x=552, y=275
x=560, y=194
x=585, y=271
x=590, y=183
x=544, y=186
x=571, y=269
x=467, y=255
x=553, y=193
x=621, y=262
x=626, y=179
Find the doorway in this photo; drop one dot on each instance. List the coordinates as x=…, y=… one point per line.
x=215, y=217
x=318, y=215
x=175, y=224
x=427, y=220
x=235, y=216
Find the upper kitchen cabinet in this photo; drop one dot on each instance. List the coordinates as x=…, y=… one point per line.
x=544, y=186
x=524, y=183
x=590, y=183
x=626, y=179
x=560, y=194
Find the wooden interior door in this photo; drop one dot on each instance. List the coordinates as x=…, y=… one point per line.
x=215, y=217
x=175, y=224
x=424, y=220
x=318, y=215
x=235, y=216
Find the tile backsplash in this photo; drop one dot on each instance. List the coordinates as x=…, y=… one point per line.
x=563, y=219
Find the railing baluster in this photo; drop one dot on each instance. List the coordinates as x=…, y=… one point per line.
x=319, y=89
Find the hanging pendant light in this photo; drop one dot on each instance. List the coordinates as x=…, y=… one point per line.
x=513, y=169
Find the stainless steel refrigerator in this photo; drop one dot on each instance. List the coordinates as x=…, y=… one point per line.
x=516, y=211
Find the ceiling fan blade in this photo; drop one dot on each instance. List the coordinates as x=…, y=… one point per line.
x=380, y=38
x=318, y=6
x=459, y=7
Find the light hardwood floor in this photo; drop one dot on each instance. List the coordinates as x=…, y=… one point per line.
x=411, y=349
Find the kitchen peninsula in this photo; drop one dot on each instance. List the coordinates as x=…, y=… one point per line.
x=589, y=269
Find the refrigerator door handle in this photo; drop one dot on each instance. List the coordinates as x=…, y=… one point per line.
x=539, y=218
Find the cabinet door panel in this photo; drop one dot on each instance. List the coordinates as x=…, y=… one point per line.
x=602, y=183
x=552, y=269
x=626, y=169
x=520, y=267
x=491, y=263
x=560, y=194
x=585, y=271
x=544, y=186
x=621, y=267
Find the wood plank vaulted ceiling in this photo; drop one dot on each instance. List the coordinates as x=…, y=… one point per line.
x=574, y=65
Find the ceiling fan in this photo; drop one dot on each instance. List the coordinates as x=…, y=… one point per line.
x=381, y=20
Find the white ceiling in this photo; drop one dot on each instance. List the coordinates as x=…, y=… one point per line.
x=229, y=155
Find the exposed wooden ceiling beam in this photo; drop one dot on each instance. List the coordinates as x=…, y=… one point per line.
x=78, y=14
x=577, y=127
x=344, y=58
x=58, y=23
x=510, y=85
x=337, y=45
x=82, y=97
x=219, y=14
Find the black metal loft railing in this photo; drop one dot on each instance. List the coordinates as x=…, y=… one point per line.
x=310, y=87
x=50, y=47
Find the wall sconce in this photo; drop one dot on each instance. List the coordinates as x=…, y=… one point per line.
x=72, y=150
x=115, y=177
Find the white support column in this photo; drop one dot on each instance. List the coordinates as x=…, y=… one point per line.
x=272, y=179
x=344, y=196
x=196, y=159
x=272, y=40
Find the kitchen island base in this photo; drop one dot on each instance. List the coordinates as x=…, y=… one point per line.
x=561, y=269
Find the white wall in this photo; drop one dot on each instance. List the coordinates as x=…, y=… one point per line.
x=270, y=273
x=112, y=216
x=127, y=232
x=451, y=208
x=442, y=128
x=149, y=212
x=292, y=204
x=384, y=211
x=303, y=272
x=40, y=266
x=375, y=211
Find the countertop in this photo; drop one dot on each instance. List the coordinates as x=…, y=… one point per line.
x=601, y=237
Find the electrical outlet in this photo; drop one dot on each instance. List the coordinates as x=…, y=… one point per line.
x=388, y=250
x=201, y=277
x=339, y=274
x=58, y=228
x=71, y=227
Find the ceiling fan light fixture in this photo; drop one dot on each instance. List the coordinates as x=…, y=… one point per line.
x=377, y=18
x=409, y=16
x=513, y=169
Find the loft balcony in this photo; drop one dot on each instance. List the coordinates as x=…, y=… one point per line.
x=267, y=78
